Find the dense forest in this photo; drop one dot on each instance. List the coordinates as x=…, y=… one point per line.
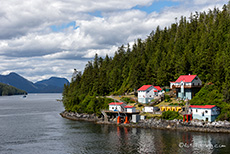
x=6, y=90
x=195, y=45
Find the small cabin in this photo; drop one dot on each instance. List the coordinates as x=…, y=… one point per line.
x=130, y=109
x=204, y=112
x=117, y=106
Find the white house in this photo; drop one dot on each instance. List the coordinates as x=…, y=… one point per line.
x=130, y=109
x=186, y=86
x=147, y=93
x=117, y=106
x=204, y=112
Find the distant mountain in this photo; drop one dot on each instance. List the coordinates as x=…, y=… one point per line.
x=52, y=85
x=54, y=81
x=10, y=90
x=19, y=82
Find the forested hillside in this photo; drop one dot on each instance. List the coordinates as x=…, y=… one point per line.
x=10, y=90
x=197, y=45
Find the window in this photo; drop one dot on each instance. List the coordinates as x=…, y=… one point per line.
x=206, y=119
x=206, y=111
x=193, y=84
x=112, y=107
x=198, y=84
x=196, y=110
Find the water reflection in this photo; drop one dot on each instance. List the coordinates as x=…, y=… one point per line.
x=92, y=138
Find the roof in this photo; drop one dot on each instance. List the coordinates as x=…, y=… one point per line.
x=202, y=106
x=158, y=88
x=186, y=78
x=116, y=103
x=129, y=106
x=144, y=87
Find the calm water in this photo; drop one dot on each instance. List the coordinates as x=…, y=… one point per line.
x=32, y=125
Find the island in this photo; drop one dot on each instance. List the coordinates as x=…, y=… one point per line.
x=6, y=90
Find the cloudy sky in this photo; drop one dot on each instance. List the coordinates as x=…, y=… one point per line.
x=44, y=38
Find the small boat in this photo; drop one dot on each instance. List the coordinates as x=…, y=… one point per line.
x=24, y=96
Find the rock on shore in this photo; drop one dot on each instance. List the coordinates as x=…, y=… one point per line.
x=79, y=116
x=194, y=125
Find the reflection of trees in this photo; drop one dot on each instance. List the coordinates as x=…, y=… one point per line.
x=139, y=140
x=168, y=141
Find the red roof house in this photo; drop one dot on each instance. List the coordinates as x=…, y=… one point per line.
x=146, y=93
x=116, y=106
x=204, y=112
x=186, y=86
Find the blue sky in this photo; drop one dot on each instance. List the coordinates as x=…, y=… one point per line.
x=157, y=6
x=59, y=28
x=52, y=39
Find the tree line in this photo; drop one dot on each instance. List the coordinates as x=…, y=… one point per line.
x=6, y=90
x=197, y=45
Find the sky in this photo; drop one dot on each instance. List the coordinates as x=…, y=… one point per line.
x=44, y=38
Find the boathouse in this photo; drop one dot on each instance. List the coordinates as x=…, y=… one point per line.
x=147, y=93
x=117, y=106
x=204, y=112
x=186, y=86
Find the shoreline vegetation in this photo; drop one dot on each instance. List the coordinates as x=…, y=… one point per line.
x=198, y=45
x=7, y=90
x=155, y=123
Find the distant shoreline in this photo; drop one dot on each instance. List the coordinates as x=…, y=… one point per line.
x=153, y=123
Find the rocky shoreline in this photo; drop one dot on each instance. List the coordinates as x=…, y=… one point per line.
x=195, y=125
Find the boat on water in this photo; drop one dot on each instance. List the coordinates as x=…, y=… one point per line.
x=24, y=96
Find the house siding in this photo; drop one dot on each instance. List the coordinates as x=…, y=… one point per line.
x=115, y=107
x=145, y=100
x=131, y=110
x=202, y=115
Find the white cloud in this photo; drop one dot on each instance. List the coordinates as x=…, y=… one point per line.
x=29, y=47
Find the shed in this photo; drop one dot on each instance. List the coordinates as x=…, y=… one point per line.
x=151, y=109
x=130, y=109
